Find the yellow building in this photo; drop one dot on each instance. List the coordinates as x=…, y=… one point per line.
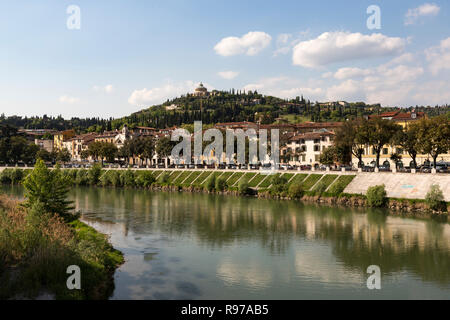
x=60, y=137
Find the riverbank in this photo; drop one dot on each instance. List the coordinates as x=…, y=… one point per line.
x=36, y=249
x=322, y=188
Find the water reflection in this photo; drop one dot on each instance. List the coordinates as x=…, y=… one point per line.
x=189, y=246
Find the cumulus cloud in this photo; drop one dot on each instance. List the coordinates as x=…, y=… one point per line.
x=228, y=74
x=145, y=97
x=439, y=57
x=109, y=88
x=427, y=9
x=250, y=44
x=68, y=99
x=331, y=47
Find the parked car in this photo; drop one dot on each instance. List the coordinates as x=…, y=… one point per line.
x=232, y=166
x=286, y=167
x=305, y=167
x=368, y=169
x=384, y=168
x=180, y=166
x=442, y=168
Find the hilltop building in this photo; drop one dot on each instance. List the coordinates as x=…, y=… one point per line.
x=201, y=91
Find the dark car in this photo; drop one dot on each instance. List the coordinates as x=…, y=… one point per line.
x=368, y=169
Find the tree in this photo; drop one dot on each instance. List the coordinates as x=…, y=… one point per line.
x=328, y=156
x=407, y=139
x=94, y=149
x=164, y=147
x=63, y=155
x=348, y=141
x=396, y=158
x=433, y=136
x=377, y=132
x=108, y=151
x=48, y=188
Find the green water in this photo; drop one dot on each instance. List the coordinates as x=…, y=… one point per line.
x=195, y=246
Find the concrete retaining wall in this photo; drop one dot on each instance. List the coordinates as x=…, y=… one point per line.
x=401, y=185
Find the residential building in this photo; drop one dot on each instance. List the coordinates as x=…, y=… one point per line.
x=45, y=144
x=60, y=137
x=305, y=148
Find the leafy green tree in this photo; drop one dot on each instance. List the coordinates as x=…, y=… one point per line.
x=48, y=188
x=348, y=141
x=377, y=132
x=407, y=139
x=434, y=136
x=328, y=156
x=164, y=147
x=63, y=155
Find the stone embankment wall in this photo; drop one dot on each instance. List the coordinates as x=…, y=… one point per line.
x=401, y=185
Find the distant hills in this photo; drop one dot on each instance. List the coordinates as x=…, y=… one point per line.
x=220, y=106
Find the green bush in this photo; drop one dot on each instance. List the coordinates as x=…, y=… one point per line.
x=243, y=187
x=82, y=177
x=145, y=179
x=94, y=174
x=210, y=183
x=435, y=198
x=278, y=186
x=376, y=196
x=127, y=178
x=221, y=184
x=164, y=178
x=5, y=176
x=296, y=191
x=115, y=178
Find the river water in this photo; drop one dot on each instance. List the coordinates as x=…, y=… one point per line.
x=198, y=246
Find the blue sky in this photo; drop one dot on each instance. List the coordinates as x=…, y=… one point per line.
x=131, y=54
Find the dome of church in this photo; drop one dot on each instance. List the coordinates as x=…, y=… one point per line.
x=201, y=88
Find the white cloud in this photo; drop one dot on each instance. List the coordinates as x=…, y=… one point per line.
x=228, y=74
x=145, y=97
x=345, y=73
x=68, y=99
x=109, y=88
x=439, y=57
x=427, y=9
x=331, y=47
x=250, y=44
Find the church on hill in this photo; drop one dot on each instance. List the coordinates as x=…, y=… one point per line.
x=201, y=91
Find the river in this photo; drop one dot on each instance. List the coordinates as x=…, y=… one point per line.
x=198, y=246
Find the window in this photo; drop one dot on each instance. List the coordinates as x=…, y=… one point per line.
x=316, y=148
x=385, y=150
x=316, y=157
x=303, y=157
x=316, y=140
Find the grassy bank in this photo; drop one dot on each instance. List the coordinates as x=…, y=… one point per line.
x=36, y=248
x=309, y=187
